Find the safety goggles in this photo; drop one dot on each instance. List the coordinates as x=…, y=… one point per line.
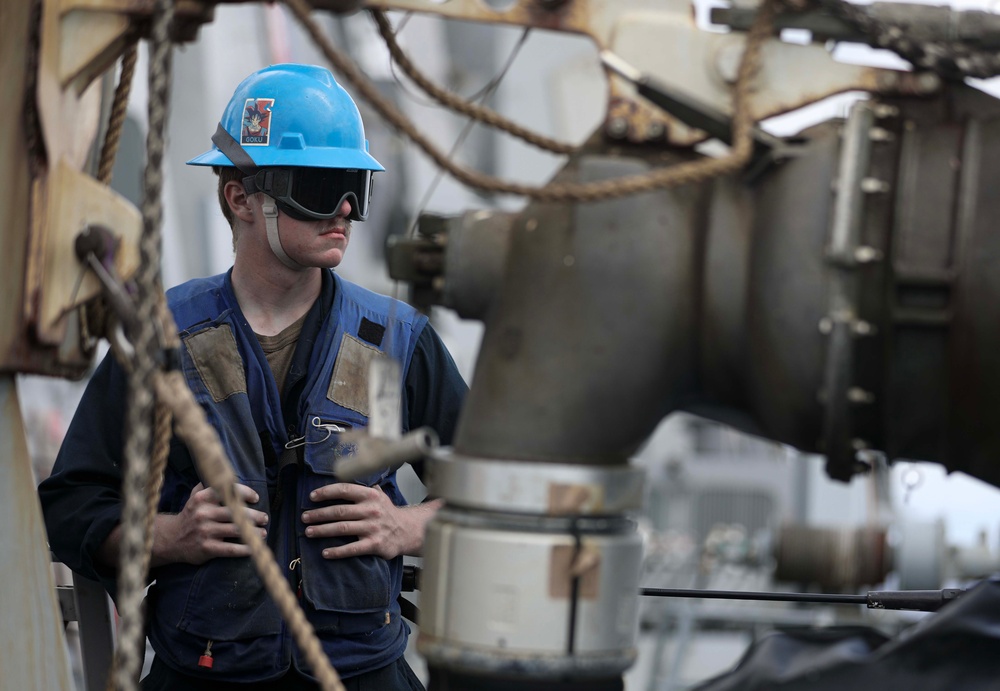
x=310, y=194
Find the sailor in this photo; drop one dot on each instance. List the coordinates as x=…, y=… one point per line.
x=276, y=351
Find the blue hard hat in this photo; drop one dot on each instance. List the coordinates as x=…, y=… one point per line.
x=294, y=116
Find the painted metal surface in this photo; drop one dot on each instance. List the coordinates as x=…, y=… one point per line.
x=703, y=65
x=538, y=488
x=72, y=201
x=595, y=18
x=488, y=584
x=663, y=41
x=580, y=360
x=33, y=653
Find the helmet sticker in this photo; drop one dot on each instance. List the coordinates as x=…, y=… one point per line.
x=256, y=130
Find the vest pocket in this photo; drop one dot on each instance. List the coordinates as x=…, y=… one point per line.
x=224, y=598
x=227, y=601
x=349, y=595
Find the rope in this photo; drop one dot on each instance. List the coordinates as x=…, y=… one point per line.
x=94, y=313
x=117, y=118
x=456, y=102
x=142, y=481
x=136, y=524
x=484, y=95
x=213, y=466
x=689, y=172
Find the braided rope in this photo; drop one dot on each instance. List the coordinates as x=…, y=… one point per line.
x=142, y=481
x=118, y=112
x=136, y=523
x=685, y=173
x=456, y=102
x=192, y=426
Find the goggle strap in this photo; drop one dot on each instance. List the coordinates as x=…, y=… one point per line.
x=270, y=210
x=233, y=151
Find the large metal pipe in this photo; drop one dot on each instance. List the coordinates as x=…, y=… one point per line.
x=582, y=356
x=834, y=304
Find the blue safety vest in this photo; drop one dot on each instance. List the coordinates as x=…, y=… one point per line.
x=351, y=602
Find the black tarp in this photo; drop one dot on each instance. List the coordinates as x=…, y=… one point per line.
x=955, y=649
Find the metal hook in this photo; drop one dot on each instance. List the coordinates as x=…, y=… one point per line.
x=317, y=423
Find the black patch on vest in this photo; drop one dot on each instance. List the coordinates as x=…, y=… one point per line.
x=371, y=332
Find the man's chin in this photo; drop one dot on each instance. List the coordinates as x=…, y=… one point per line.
x=329, y=260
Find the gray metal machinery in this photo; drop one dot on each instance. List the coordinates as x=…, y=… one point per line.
x=834, y=299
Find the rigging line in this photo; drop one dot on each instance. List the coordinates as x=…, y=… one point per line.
x=688, y=172
x=406, y=88
x=488, y=91
x=141, y=404
x=458, y=103
x=416, y=97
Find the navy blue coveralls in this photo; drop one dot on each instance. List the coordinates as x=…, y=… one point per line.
x=350, y=602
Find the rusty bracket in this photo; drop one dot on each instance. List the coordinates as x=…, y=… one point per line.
x=64, y=203
x=89, y=35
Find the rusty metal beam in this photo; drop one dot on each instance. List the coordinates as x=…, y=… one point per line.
x=32, y=644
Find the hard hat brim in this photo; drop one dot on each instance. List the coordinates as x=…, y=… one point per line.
x=312, y=157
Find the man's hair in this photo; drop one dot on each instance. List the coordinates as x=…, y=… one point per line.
x=226, y=175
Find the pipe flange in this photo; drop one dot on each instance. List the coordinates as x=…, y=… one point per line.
x=551, y=489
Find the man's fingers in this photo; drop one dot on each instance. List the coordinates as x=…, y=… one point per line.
x=340, y=512
x=226, y=531
x=352, y=549
x=220, y=548
x=247, y=494
x=208, y=495
x=347, y=491
x=339, y=529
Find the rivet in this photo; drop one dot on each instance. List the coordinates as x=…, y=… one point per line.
x=866, y=255
x=863, y=328
x=874, y=185
x=617, y=127
x=880, y=134
x=856, y=394
x=884, y=110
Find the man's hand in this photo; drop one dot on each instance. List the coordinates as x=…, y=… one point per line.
x=202, y=529
x=381, y=527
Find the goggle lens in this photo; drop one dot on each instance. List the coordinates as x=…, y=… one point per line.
x=317, y=193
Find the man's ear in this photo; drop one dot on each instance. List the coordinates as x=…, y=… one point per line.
x=239, y=201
